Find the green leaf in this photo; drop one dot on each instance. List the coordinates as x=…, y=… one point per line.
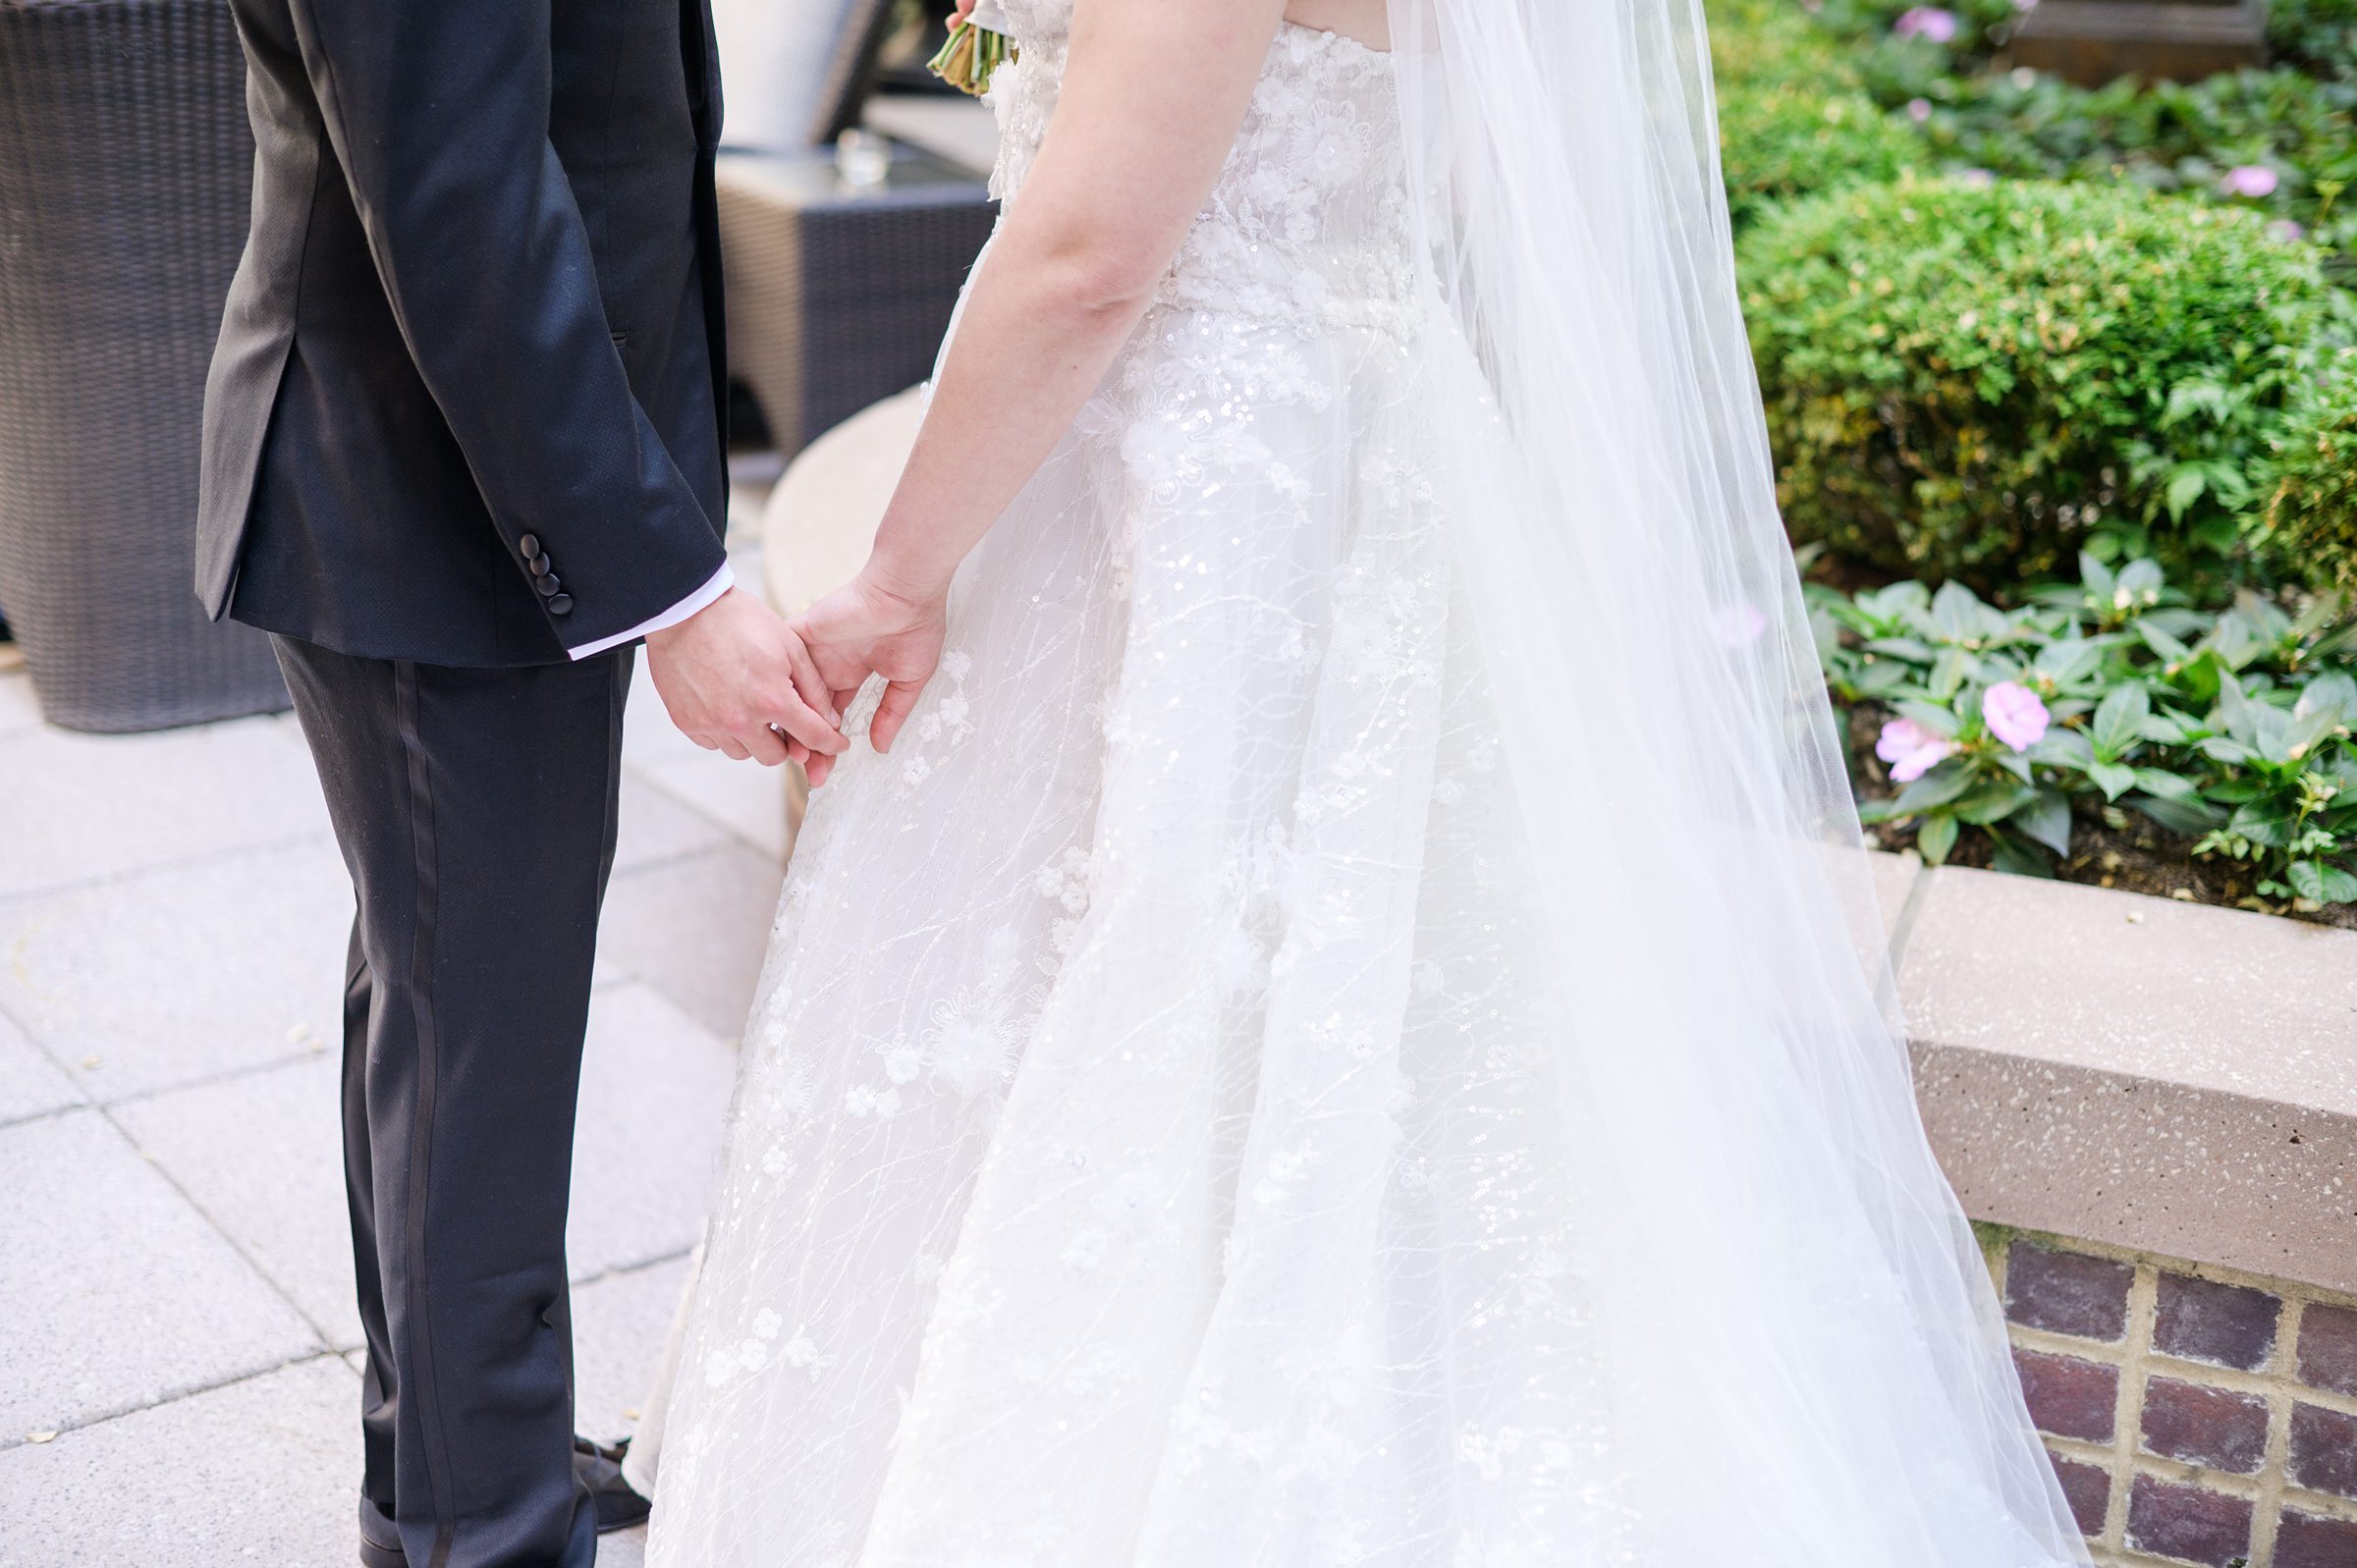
x=2185, y=487
x=2113, y=779
x=2165, y=785
x=2262, y=822
x=1937, y=787
x=2045, y=817
x=2067, y=659
x=2191, y=818
x=1992, y=802
x=1938, y=837
x=1955, y=667
x=1875, y=810
x=2237, y=715
x=1958, y=614
x=2119, y=719
x=2331, y=696
x=2340, y=886
x=2064, y=748
x=2019, y=859
x=2307, y=879
x=1940, y=721
x=2164, y=647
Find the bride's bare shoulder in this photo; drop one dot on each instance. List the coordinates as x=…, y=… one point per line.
x=1367, y=21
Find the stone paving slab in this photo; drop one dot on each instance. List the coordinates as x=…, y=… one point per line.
x=696, y=930
x=260, y=1473
x=750, y=800
x=181, y=974
x=618, y=1324
x=29, y=1082
x=657, y=825
x=654, y=1084
x=84, y=807
x=116, y=1293
x=20, y=709
x=262, y=1155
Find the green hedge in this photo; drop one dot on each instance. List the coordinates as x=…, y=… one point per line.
x=2311, y=530
x=1975, y=382
x=1778, y=140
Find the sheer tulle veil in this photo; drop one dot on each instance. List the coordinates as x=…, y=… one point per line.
x=1798, y=1308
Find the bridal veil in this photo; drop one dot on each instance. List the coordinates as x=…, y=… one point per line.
x=1823, y=1374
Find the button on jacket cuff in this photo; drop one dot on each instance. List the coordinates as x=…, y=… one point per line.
x=722, y=581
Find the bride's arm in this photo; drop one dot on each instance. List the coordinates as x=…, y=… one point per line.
x=1154, y=92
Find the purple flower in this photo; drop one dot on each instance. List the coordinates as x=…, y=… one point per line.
x=2014, y=714
x=2287, y=231
x=1975, y=179
x=1926, y=22
x=1919, y=109
x=1910, y=749
x=2249, y=179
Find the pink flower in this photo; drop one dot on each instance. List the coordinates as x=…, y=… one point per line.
x=1919, y=109
x=2249, y=179
x=1911, y=751
x=1737, y=625
x=1975, y=179
x=2014, y=714
x=1926, y=22
x=2285, y=230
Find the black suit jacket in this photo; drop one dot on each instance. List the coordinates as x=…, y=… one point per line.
x=474, y=348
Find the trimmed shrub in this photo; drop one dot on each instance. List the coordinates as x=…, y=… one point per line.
x=1978, y=381
x=2312, y=502
x=1780, y=140
x=1763, y=42
x=2318, y=36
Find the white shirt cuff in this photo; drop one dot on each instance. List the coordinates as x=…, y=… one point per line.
x=722, y=581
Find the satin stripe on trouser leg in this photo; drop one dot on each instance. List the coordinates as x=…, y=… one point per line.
x=476, y=813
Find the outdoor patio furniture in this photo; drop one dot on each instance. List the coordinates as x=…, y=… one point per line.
x=793, y=71
x=2095, y=41
x=840, y=293
x=125, y=165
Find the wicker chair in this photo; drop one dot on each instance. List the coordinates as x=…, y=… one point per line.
x=837, y=299
x=125, y=165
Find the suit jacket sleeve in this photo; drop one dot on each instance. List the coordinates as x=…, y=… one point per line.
x=438, y=111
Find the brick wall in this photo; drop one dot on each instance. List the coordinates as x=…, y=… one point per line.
x=2195, y=1415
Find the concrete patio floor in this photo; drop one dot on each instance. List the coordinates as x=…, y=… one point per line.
x=176, y=1319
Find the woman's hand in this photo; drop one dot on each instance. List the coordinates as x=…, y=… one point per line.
x=868, y=627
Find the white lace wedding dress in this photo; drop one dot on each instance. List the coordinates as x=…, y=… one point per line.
x=1148, y=1150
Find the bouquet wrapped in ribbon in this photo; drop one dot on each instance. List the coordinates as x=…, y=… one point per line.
x=977, y=47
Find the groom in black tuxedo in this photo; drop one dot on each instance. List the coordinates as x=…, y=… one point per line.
x=462, y=449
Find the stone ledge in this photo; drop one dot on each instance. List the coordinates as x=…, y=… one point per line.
x=2161, y=1076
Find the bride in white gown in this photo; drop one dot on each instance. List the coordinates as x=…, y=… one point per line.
x=1347, y=1029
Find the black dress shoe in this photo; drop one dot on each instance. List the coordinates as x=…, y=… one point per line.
x=599, y=1466
x=380, y=1542
x=618, y=1507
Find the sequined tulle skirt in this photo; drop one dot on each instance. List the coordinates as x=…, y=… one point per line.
x=1143, y=1151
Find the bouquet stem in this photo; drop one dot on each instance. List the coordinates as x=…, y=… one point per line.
x=971, y=57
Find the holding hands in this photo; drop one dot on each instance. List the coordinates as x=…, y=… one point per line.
x=737, y=679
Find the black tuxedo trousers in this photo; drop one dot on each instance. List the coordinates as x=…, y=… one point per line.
x=476, y=813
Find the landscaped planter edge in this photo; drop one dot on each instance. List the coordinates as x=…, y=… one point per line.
x=2163, y=1076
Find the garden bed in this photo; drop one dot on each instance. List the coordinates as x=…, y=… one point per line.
x=2134, y=857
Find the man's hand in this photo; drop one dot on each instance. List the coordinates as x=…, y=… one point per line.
x=964, y=9
x=731, y=671
x=866, y=628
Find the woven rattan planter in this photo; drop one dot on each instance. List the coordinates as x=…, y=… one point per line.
x=837, y=296
x=125, y=165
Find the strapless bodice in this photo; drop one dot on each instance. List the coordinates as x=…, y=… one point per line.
x=1307, y=225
